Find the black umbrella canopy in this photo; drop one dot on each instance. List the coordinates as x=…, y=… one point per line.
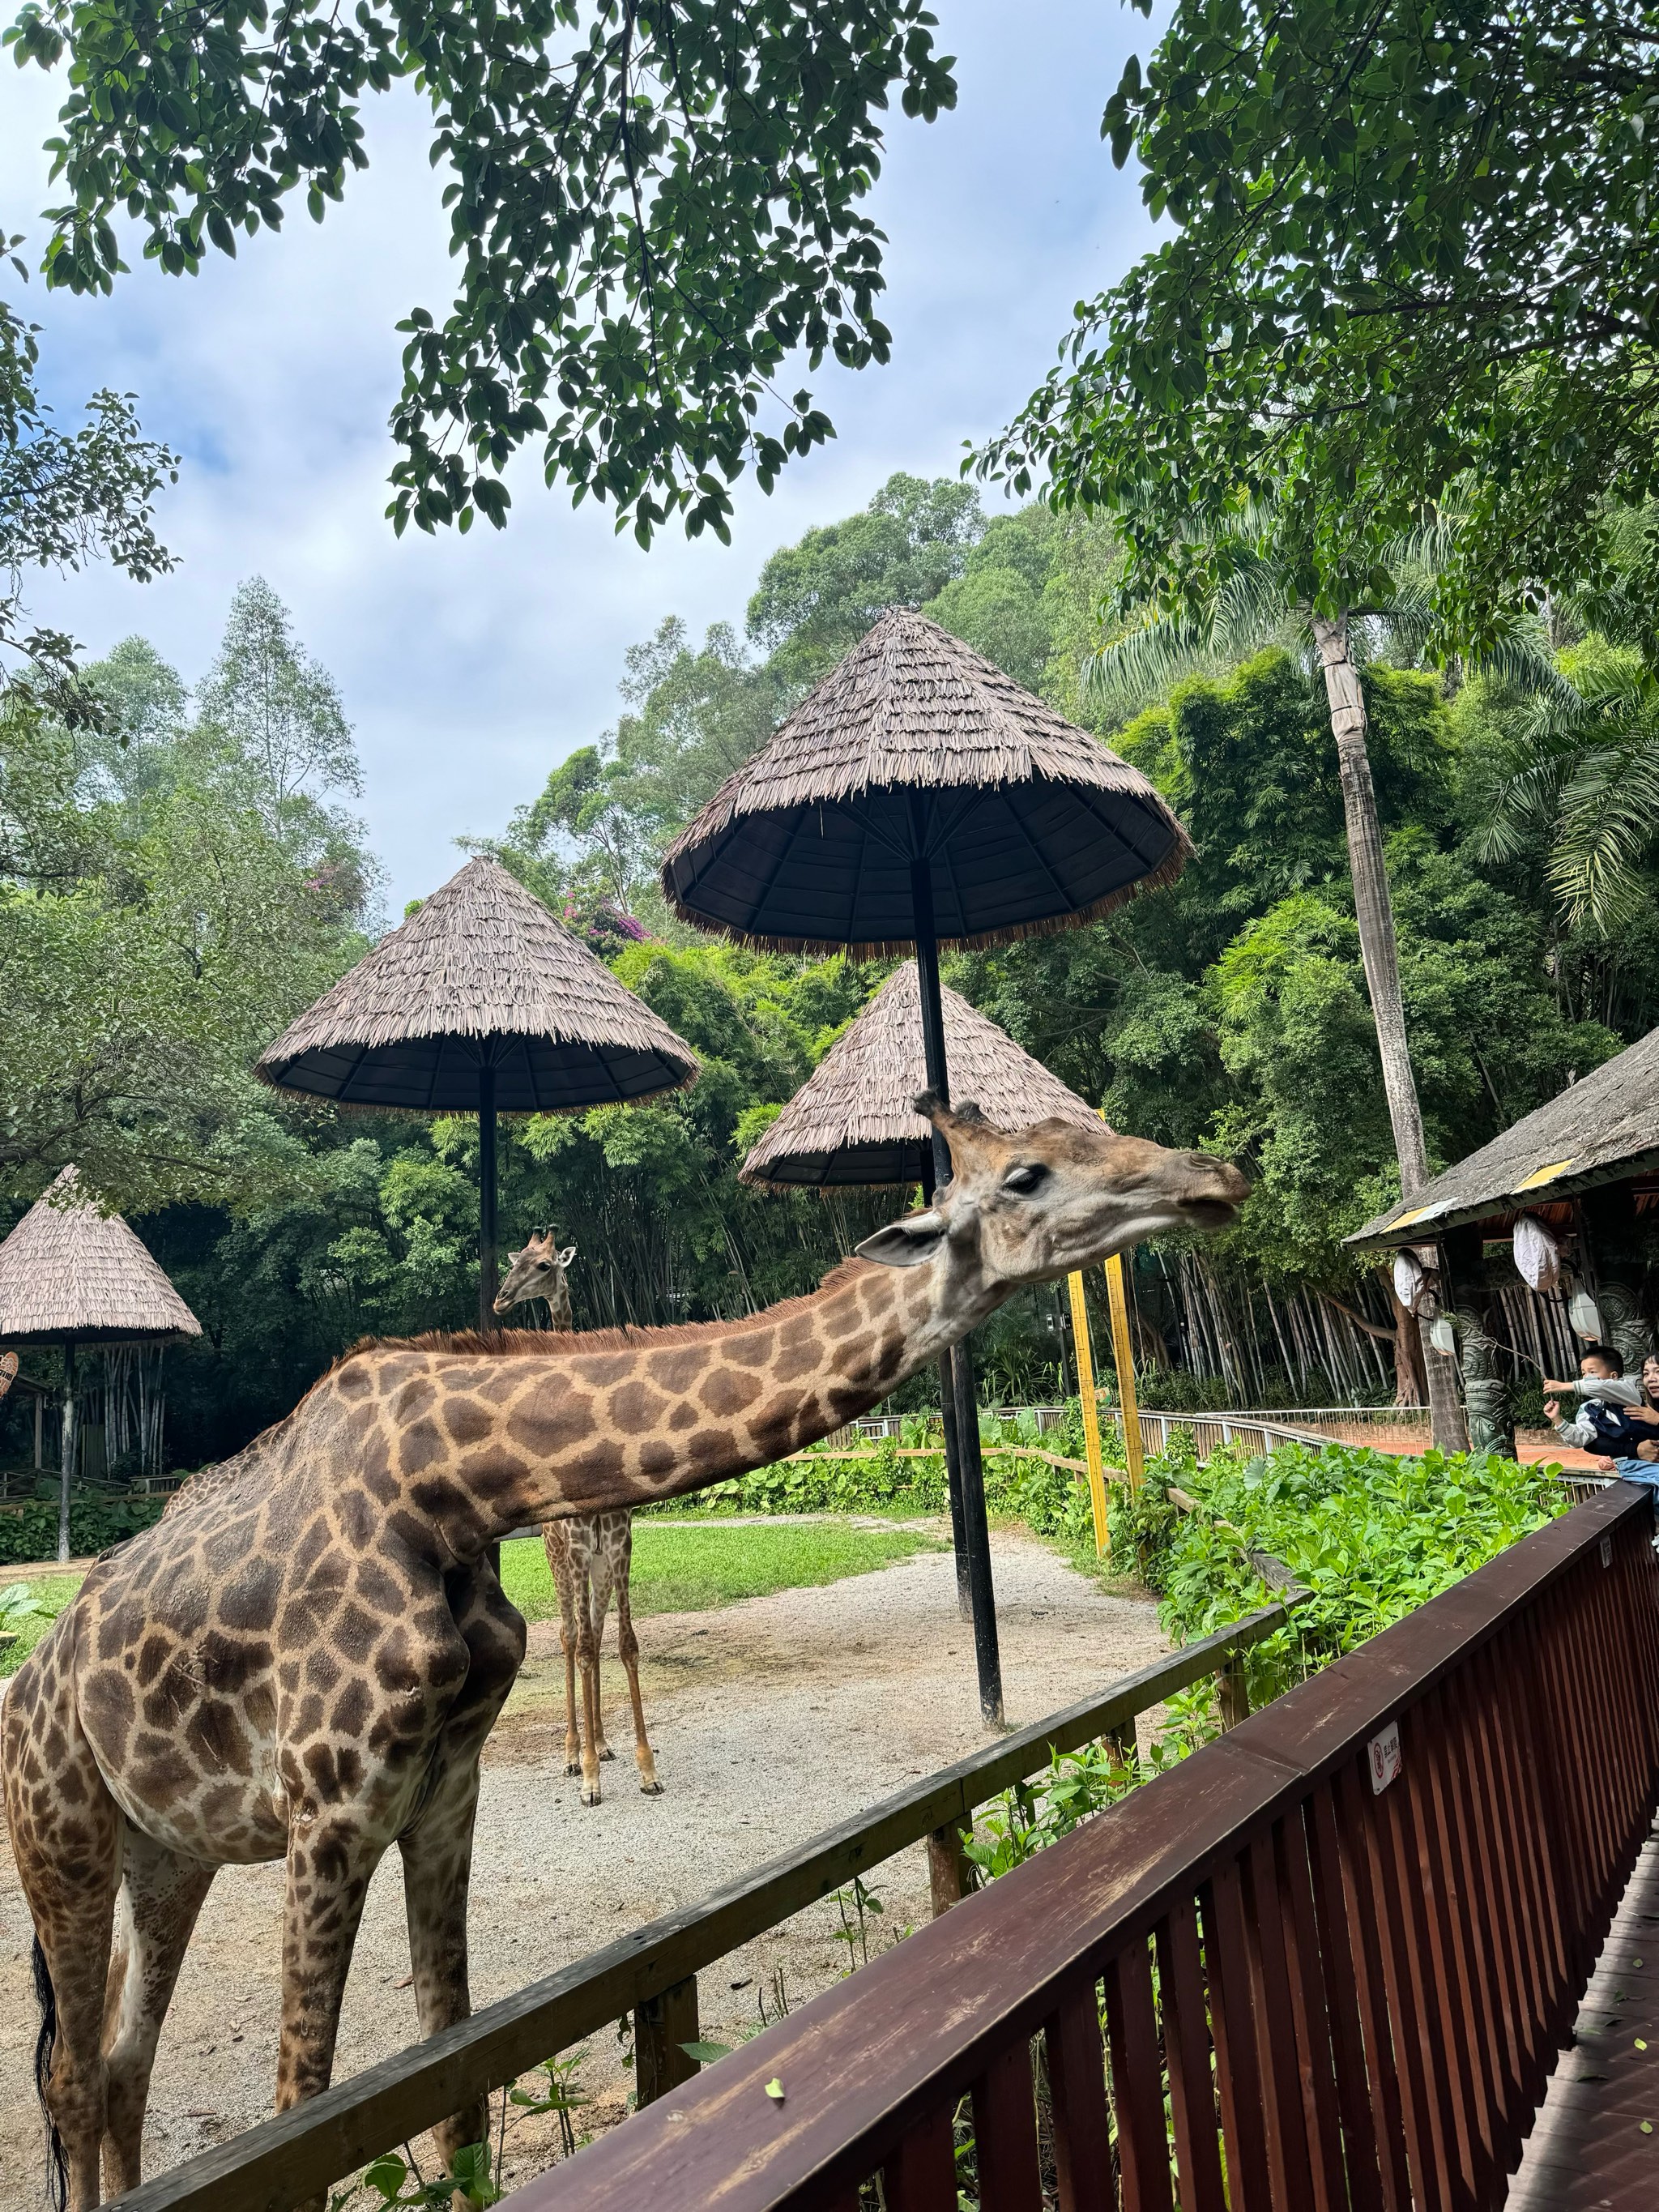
x=481, y=980
x=915, y=747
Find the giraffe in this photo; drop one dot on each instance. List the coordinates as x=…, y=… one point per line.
x=302, y=1659
x=588, y=1555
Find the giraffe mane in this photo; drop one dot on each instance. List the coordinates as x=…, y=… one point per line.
x=540, y=1343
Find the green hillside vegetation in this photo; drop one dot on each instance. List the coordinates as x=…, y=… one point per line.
x=181, y=879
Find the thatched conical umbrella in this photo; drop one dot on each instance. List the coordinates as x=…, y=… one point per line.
x=919, y=797
x=480, y=1003
x=72, y=1276
x=852, y=1124
x=853, y=1121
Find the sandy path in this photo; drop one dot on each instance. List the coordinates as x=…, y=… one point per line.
x=770, y=1720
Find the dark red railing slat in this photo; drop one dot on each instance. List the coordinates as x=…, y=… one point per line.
x=1188, y=2054
x=1077, y=2083
x=1136, y=2082
x=1005, y=2133
x=920, y=2176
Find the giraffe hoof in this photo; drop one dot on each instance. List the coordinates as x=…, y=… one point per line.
x=652, y=1788
x=572, y=1766
x=590, y=1796
x=605, y=1752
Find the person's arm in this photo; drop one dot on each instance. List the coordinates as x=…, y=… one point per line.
x=1579, y=1433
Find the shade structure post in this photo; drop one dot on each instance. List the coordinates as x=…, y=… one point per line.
x=968, y=1476
x=67, y=1474
x=489, y=1275
x=1123, y=1352
x=947, y=1414
x=1087, y=1400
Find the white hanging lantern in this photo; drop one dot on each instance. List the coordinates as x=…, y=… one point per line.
x=1585, y=1316
x=1443, y=1336
x=1408, y=1278
x=1537, y=1255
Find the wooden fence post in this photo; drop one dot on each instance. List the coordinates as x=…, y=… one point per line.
x=950, y=1873
x=661, y=2025
x=1120, y=1742
x=1233, y=1691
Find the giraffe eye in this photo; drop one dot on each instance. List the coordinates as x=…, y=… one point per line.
x=1026, y=1178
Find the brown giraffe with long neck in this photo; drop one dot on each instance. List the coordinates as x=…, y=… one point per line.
x=303, y=1659
x=589, y=1555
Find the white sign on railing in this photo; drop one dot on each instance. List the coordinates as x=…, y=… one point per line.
x=1383, y=1752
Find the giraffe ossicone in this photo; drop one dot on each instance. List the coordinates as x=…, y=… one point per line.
x=303, y=1658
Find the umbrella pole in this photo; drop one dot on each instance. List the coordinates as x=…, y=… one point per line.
x=947, y=1414
x=971, y=1472
x=67, y=1473
x=488, y=1278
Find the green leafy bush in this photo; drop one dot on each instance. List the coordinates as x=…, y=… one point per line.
x=30, y=1531
x=1371, y=1536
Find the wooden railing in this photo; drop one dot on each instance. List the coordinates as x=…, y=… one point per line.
x=652, y=1971
x=1327, y=1961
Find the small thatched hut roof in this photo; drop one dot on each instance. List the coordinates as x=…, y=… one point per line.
x=1032, y=825
x=1603, y=1128
x=68, y=1273
x=480, y=975
x=852, y=1121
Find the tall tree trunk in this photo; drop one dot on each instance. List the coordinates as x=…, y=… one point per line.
x=1374, y=911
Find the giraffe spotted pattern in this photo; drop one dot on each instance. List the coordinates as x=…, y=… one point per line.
x=303, y=1659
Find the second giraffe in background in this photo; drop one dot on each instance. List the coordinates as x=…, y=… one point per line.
x=589, y=1555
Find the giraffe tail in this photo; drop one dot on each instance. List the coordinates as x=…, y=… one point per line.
x=44, y=2043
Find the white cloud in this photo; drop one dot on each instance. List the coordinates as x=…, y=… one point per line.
x=471, y=666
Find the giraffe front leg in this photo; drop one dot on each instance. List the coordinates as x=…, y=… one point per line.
x=556, y=1541
x=437, y=1872
x=330, y=1863
x=588, y=1658
x=161, y=1894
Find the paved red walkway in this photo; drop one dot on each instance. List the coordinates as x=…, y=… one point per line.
x=1587, y=2151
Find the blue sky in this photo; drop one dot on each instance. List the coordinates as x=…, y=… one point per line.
x=471, y=667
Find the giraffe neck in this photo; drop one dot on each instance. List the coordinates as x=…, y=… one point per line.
x=483, y=1442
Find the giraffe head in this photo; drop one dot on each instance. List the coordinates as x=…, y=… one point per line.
x=538, y=1272
x=1027, y=1205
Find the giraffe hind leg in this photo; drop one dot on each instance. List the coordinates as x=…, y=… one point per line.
x=629, y=1645
x=66, y=1841
x=161, y=1894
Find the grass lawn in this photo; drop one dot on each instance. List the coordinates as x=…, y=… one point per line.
x=689, y=1569
x=54, y=1593
x=677, y=1568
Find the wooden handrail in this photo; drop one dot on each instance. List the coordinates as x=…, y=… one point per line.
x=282, y=2161
x=1370, y=1911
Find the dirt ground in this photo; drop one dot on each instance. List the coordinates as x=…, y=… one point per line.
x=771, y=1720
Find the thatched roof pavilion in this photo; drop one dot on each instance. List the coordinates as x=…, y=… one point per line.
x=1032, y=825
x=852, y=1122
x=1601, y=1130
x=70, y=1274
x=480, y=974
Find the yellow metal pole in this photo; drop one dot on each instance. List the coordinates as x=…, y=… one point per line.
x=1086, y=1384
x=1124, y=1353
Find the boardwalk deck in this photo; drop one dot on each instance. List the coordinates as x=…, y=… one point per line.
x=1587, y=2151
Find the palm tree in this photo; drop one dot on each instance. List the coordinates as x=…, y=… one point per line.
x=1581, y=764
x=1256, y=597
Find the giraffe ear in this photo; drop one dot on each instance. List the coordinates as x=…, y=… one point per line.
x=567, y=1256
x=905, y=1244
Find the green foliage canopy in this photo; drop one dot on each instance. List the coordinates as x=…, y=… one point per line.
x=1411, y=249
x=653, y=204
